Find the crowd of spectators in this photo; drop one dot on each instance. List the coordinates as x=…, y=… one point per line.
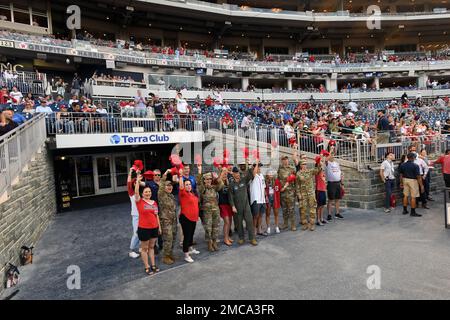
x=140, y=49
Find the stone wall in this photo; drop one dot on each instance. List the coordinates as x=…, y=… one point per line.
x=27, y=212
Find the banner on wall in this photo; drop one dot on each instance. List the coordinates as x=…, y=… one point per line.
x=126, y=139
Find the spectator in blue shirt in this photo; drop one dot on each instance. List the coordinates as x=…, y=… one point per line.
x=18, y=118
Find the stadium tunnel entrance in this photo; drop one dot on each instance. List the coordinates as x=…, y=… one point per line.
x=88, y=177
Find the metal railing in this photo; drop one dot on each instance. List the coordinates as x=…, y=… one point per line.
x=353, y=149
x=95, y=123
x=118, y=83
x=17, y=148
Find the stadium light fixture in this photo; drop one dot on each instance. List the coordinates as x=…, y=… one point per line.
x=129, y=8
x=310, y=28
x=401, y=26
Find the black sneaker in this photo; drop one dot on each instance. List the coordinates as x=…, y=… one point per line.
x=324, y=221
x=339, y=216
x=405, y=212
x=329, y=218
x=415, y=215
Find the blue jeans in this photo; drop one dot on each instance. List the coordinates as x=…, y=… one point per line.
x=134, y=245
x=68, y=126
x=389, y=188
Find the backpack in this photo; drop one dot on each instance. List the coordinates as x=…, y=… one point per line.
x=12, y=276
x=26, y=255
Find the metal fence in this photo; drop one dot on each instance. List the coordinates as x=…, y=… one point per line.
x=17, y=148
x=94, y=123
x=26, y=82
x=348, y=148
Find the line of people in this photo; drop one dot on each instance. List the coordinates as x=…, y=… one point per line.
x=414, y=171
x=235, y=194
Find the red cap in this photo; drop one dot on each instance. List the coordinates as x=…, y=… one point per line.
x=138, y=165
x=255, y=154
x=149, y=175
x=175, y=160
x=198, y=159
x=291, y=178
x=246, y=152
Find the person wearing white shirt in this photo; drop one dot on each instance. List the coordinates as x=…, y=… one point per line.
x=16, y=95
x=387, y=174
x=353, y=106
x=162, y=84
x=258, y=199
x=182, y=109
x=245, y=123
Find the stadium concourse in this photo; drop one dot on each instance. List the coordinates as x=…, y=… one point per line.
x=331, y=263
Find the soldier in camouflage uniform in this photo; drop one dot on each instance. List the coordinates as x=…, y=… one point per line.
x=238, y=197
x=168, y=218
x=305, y=191
x=287, y=195
x=209, y=203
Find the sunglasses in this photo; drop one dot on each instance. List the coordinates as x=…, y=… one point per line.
x=157, y=175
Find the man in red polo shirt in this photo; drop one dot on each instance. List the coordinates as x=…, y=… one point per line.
x=444, y=160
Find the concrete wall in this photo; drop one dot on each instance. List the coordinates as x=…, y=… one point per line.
x=28, y=211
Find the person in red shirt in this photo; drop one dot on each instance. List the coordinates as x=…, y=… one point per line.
x=209, y=101
x=273, y=187
x=321, y=193
x=149, y=227
x=189, y=213
x=444, y=160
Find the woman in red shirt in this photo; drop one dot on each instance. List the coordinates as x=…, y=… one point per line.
x=273, y=187
x=188, y=215
x=149, y=227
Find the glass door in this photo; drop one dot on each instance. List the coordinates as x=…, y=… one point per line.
x=121, y=167
x=103, y=175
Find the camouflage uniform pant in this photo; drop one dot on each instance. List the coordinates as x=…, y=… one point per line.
x=288, y=205
x=307, y=200
x=211, y=220
x=169, y=234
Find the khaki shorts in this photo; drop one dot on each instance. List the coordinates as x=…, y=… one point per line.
x=411, y=188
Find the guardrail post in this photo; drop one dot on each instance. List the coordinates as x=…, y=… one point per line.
x=7, y=167
x=358, y=155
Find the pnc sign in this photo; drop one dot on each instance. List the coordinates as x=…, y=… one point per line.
x=10, y=67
